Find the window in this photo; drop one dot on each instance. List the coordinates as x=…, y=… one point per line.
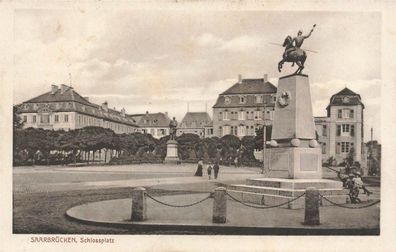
x=24, y=118
x=221, y=130
x=45, y=119
x=227, y=100
x=226, y=115
x=351, y=113
x=346, y=113
x=152, y=132
x=259, y=98
x=324, y=131
x=274, y=98
x=345, y=130
x=241, y=115
x=323, y=148
x=56, y=118
x=226, y=130
x=257, y=115
x=241, y=130
x=338, y=132
x=339, y=113
x=345, y=147
x=249, y=115
x=338, y=148
x=352, y=130
x=242, y=99
x=34, y=119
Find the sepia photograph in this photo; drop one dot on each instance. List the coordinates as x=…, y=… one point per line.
x=195, y=122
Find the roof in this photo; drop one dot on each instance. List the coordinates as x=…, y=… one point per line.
x=152, y=119
x=251, y=86
x=68, y=95
x=70, y=100
x=195, y=120
x=345, y=97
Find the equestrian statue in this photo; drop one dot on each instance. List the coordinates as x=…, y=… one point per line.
x=293, y=52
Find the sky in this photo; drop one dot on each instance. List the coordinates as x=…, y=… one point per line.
x=162, y=60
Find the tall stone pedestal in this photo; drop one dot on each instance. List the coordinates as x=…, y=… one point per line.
x=294, y=148
x=294, y=159
x=171, y=152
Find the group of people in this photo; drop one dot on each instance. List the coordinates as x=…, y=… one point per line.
x=353, y=181
x=215, y=169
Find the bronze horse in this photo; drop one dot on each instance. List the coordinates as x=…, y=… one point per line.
x=297, y=56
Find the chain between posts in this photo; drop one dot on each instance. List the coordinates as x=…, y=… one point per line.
x=357, y=207
x=187, y=205
x=265, y=207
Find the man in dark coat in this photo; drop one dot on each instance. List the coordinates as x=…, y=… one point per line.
x=216, y=169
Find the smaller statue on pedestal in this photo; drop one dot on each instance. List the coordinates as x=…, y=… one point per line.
x=172, y=129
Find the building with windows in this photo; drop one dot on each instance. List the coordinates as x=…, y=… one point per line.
x=155, y=124
x=342, y=129
x=63, y=108
x=242, y=108
x=198, y=123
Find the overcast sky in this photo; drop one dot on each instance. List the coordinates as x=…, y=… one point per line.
x=159, y=61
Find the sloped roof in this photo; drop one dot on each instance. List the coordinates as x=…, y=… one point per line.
x=346, y=92
x=68, y=95
x=345, y=97
x=251, y=86
x=152, y=119
x=195, y=120
x=70, y=100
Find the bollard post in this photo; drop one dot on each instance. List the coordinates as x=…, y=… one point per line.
x=312, y=206
x=220, y=205
x=139, y=205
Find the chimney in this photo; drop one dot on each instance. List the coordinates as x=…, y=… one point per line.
x=123, y=112
x=63, y=88
x=265, y=78
x=240, y=78
x=54, y=88
x=86, y=98
x=104, y=106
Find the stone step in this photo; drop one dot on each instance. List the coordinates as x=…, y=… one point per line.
x=294, y=183
x=288, y=192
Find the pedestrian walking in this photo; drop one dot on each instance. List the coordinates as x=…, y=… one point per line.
x=199, y=169
x=216, y=169
x=210, y=171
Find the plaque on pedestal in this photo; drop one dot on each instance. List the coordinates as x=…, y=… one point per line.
x=171, y=152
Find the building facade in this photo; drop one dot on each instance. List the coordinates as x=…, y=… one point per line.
x=242, y=108
x=63, y=109
x=155, y=124
x=198, y=123
x=342, y=129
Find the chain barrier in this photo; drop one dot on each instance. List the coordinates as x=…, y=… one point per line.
x=264, y=207
x=187, y=205
x=348, y=207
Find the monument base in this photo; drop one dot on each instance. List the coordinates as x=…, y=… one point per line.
x=295, y=163
x=274, y=191
x=171, y=152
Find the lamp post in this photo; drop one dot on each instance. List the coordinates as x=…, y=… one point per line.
x=267, y=122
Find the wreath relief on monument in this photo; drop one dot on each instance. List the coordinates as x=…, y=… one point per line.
x=284, y=99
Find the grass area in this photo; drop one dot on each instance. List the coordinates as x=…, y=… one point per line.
x=44, y=213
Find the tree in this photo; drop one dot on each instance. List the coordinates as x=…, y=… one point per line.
x=350, y=158
x=259, y=138
x=17, y=121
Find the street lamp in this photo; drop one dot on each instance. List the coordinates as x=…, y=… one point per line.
x=267, y=122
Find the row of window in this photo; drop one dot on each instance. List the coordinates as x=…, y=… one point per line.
x=45, y=118
x=155, y=132
x=342, y=130
x=345, y=113
x=245, y=115
x=341, y=147
x=240, y=130
x=242, y=99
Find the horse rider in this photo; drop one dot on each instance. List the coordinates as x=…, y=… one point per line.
x=298, y=41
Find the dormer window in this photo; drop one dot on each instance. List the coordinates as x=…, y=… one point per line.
x=242, y=99
x=259, y=98
x=227, y=100
x=345, y=99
